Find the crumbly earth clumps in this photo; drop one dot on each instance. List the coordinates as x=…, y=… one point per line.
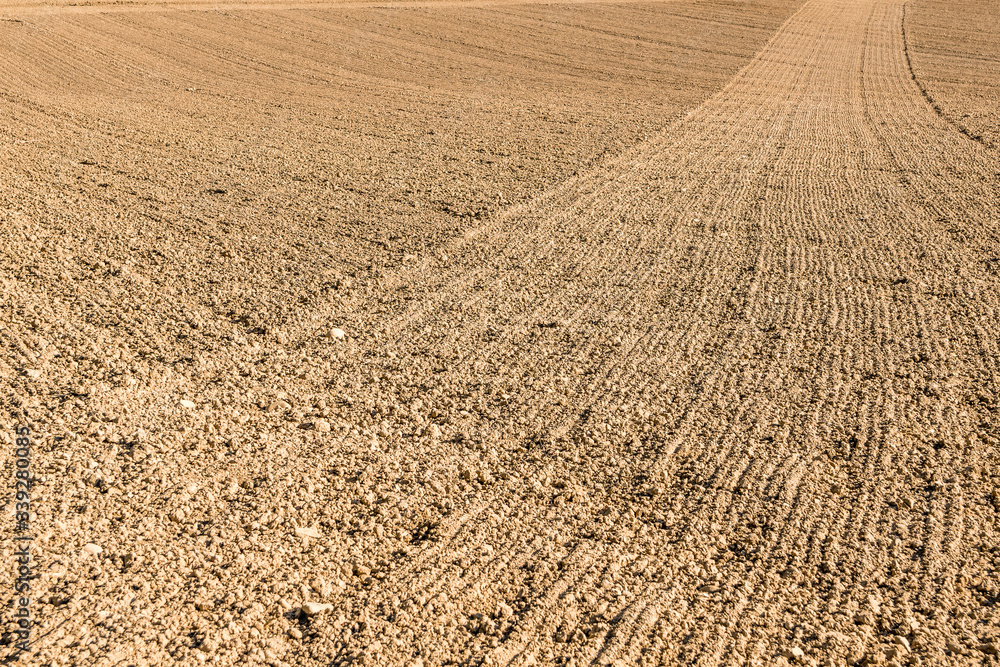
x=502, y=334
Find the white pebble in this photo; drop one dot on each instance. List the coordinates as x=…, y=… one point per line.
x=313, y=608
x=308, y=532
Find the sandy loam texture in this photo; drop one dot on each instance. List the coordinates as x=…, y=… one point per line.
x=955, y=55
x=503, y=334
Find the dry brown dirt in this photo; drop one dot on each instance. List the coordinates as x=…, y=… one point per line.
x=559, y=334
x=955, y=53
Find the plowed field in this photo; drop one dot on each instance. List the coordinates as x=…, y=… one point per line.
x=503, y=334
x=955, y=52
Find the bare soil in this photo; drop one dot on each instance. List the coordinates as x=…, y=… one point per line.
x=955, y=52
x=558, y=334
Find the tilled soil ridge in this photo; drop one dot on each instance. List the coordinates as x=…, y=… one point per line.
x=746, y=351
x=728, y=398
x=953, y=54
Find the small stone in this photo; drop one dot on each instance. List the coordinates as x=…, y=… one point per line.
x=314, y=608
x=902, y=641
x=92, y=549
x=434, y=431
x=989, y=648
x=339, y=334
x=308, y=532
x=323, y=426
x=187, y=404
x=33, y=373
x=794, y=653
x=295, y=633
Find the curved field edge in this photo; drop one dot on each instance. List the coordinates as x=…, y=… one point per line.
x=181, y=187
x=954, y=51
x=728, y=398
x=364, y=137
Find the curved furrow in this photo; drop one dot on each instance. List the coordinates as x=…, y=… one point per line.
x=725, y=398
x=817, y=234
